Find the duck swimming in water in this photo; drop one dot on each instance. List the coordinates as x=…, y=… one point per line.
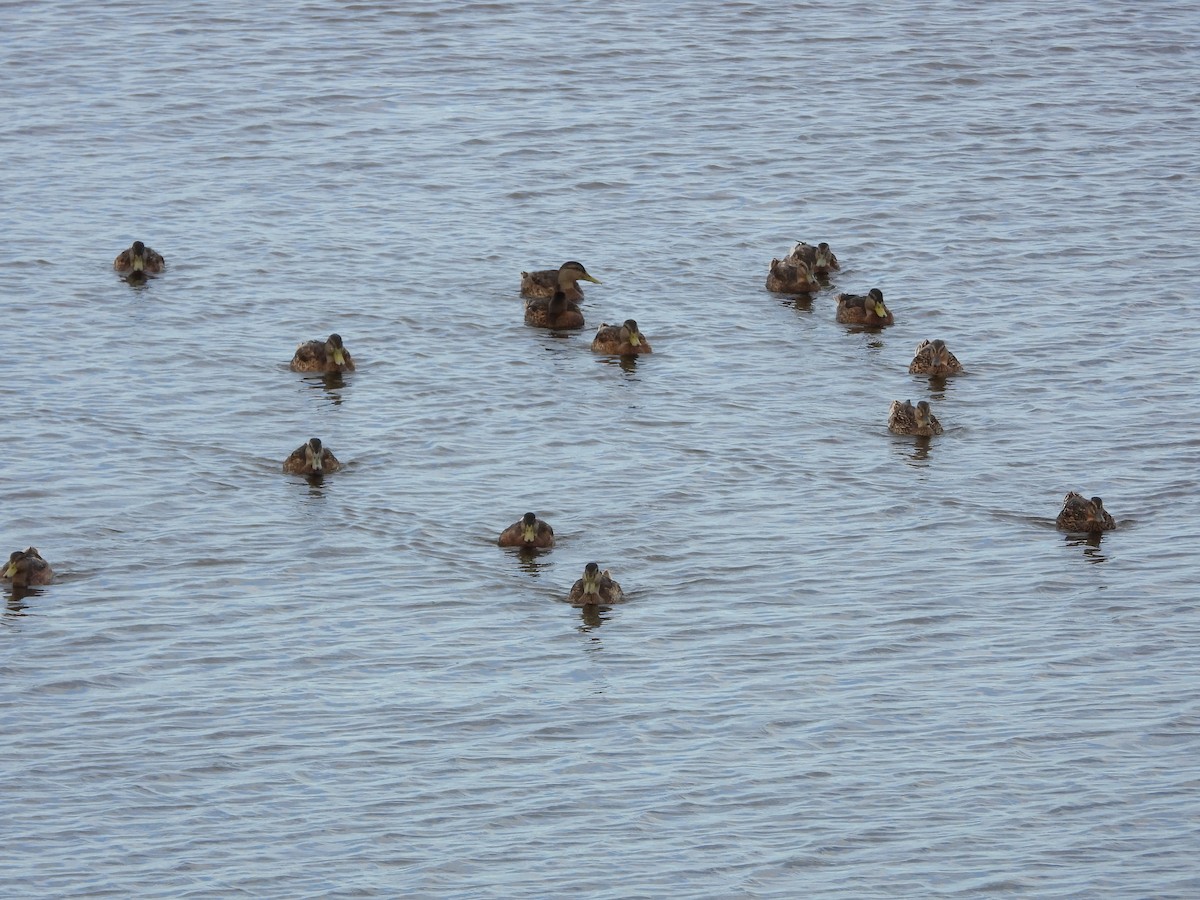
x=863, y=309
x=528, y=531
x=934, y=358
x=566, y=278
x=139, y=259
x=595, y=587
x=791, y=276
x=26, y=567
x=820, y=259
x=620, y=340
x=311, y=458
x=1081, y=514
x=329, y=355
x=557, y=312
x=904, y=418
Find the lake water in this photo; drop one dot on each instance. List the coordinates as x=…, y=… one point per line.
x=850, y=663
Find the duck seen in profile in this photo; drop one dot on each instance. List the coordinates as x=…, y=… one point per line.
x=311, y=458
x=566, y=277
x=820, y=259
x=621, y=340
x=791, y=276
x=904, y=418
x=557, y=312
x=26, y=567
x=329, y=355
x=139, y=259
x=934, y=358
x=864, y=309
x=595, y=587
x=528, y=531
x=1081, y=514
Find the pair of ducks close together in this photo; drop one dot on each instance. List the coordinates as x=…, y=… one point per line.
x=595, y=587
x=552, y=299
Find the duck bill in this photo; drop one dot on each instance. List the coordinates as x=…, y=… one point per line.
x=10, y=570
x=529, y=533
x=880, y=310
x=591, y=585
x=339, y=358
x=635, y=339
x=137, y=263
x=591, y=279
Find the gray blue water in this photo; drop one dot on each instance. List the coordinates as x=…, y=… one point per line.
x=850, y=664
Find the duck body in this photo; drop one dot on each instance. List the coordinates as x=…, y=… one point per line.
x=311, y=458
x=1081, y=514
x=864, y=309
x=904, y=418
x=26, y=568
x=820, y=259
x=543, y=283
x=620, y=340
x=139, y=258
x=329, y=355
x=557, y=312
x=528, y=531
x=791, y=276
x=595, y=587
x=934, y=358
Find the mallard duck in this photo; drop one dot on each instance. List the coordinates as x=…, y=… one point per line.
x=620, y=340
x=860, y=309
x=1080, y=514
x=311, y=459
x=934, y=358
x=26, y=567
x=567, y=276
x=557, y=312
x=819, y=258
x=530, y=531
x=595, y=587
x=329, y=355
x=139, y=258
x=791, y=276
x=904, y=418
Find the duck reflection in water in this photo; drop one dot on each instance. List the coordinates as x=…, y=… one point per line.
x=13, y=605
x=920, y=451
x=331, y=383
x=593, y=617
x=529, y=559
x=1090, y=544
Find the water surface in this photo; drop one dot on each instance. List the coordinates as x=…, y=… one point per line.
x=850, y=664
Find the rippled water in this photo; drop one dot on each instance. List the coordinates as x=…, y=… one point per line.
x=850, y=663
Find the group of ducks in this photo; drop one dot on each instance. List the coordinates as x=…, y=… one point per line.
x=552, y=301
x=805, y=271
x=594, y=588
x=552, y=298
